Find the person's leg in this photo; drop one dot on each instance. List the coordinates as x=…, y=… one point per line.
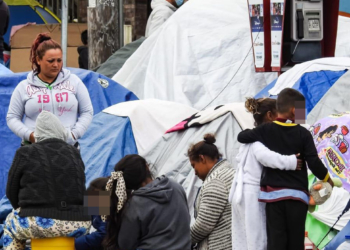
x=19, y=229
x=276, y=226
x=255, y=219
x=239, y=240
x=51, y=228
x=12, y=240
x=296, y=212
x=11, y=243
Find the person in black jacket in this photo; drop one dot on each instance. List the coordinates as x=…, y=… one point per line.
x=46, y=185
x=84, y=51
x=4, y=23
x=286, y=192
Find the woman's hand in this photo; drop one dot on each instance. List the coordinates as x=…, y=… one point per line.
x=299, y=162
x=31, y=138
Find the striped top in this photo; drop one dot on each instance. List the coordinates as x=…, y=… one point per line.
x=212, y=228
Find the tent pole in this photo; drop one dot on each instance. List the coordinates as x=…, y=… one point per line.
x=121, y=23
x=64, y=23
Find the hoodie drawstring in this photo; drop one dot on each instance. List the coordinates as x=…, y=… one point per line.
x=42, y=106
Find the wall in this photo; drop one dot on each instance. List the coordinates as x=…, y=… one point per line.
x=82, y=11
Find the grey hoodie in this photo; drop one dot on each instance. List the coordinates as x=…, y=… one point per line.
x=48, y=127
x=67, y=98
x=156, y=217
x=162, y=10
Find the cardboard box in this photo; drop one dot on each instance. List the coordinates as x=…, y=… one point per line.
x=20, y=59
x=22, y=40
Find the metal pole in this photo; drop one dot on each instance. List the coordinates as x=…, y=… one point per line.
x=64, y=24
x=121, y=23
x=57, y=8
x=73, y=10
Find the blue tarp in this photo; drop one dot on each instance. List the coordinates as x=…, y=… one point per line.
x=313, y=86
x=108, y=139
x=4, y=70
x=101, y=98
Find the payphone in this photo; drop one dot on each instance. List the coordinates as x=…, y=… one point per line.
x=307, y=20
x=306, y=30
x=287, y=32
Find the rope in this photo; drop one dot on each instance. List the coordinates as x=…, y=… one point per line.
x=236, y=71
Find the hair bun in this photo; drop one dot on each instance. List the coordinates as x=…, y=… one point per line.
x=209, y=138
x=252, y=105
x=43, y=37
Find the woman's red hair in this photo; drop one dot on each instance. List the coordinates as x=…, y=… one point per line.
x=41, y=44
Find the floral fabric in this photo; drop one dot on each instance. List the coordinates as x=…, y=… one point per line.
x=18, y=229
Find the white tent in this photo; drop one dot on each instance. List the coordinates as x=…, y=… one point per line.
x=343, y=37
x=150, y=119
x=195, y=54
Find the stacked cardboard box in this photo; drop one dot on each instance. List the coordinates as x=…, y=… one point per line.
x=22, y=40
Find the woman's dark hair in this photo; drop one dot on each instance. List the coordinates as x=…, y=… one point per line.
x=135, y=172
x=98, y=184
x=328, y=130
x=206, y=148
x=41, y=44
x=260, y=107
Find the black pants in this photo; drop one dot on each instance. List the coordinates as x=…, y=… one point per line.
x=285, y=224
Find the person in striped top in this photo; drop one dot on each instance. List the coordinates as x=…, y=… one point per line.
x=212, y=227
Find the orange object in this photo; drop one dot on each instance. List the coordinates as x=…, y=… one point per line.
x=60, y=243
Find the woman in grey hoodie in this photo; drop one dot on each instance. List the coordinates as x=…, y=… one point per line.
x=51, y=88
x=145, y=214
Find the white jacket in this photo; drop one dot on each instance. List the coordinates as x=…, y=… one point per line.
x=251, y=159
x=161, y=11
